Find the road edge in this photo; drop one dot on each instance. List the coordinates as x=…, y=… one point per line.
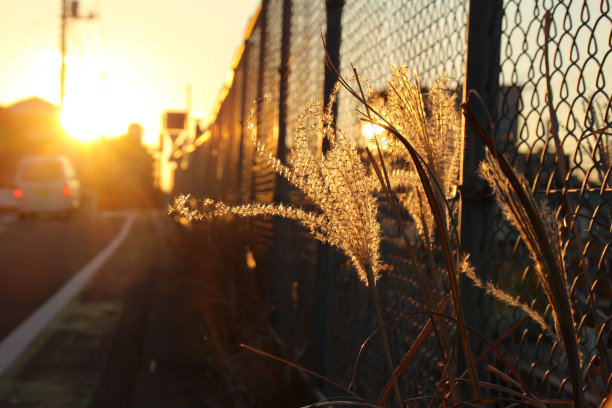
x=13, y=345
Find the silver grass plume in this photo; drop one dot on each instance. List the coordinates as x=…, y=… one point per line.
x=550, y=277
x=433, y=127
x=337, y=183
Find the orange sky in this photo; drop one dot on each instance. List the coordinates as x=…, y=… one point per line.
x=131, y=63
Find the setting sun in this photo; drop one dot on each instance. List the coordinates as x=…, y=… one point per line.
x=100, y=102
x=81, y=121
x=94, y=104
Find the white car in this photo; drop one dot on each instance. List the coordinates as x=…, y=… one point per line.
x=46, y=184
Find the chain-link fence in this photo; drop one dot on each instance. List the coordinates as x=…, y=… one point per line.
x=326, y=310
x=578, y=52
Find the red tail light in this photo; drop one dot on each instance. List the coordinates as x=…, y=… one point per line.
x=17, y=193
x=67, y=191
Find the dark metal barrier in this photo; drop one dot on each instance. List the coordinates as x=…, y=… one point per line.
x=317, y=302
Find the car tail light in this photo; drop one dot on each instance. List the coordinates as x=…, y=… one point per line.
x=67, y=191
x=17, y=193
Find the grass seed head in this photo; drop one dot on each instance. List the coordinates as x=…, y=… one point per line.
x=337, y=183
x=432, y=124
x=550, y=276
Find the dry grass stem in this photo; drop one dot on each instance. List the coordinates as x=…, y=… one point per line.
x=506, y=298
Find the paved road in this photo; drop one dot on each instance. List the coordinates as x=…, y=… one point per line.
x=38, y=256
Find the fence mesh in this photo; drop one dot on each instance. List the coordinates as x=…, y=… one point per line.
x=578, y=53
x=430, y=38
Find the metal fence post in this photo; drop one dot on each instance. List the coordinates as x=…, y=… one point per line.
x=333, y=38
x=325, y=253
x=281, y=188
x=260, y=78
x=280, y=276
x=244, y=66
x=477, y=207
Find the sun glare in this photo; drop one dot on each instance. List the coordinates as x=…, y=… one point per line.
x=100, y=100
x=81, y=121
x=100, y=105
x=41, y=72
x=370, y=130
x=84, y=114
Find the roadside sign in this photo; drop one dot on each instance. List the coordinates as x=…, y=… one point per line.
x=175, y=120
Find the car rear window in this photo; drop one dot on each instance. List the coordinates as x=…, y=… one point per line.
x=42, y=170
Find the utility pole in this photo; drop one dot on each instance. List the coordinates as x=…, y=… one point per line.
x=188, y=109
x=66, y=14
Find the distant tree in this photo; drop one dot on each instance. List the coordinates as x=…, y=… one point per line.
x=136, y=167
x=120, y=171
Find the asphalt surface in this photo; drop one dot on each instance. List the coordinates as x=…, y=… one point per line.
x=38, y=256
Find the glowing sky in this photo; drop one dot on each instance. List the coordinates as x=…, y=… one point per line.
x=131, y=63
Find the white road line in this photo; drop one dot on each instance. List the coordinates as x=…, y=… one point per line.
x=16, y=342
